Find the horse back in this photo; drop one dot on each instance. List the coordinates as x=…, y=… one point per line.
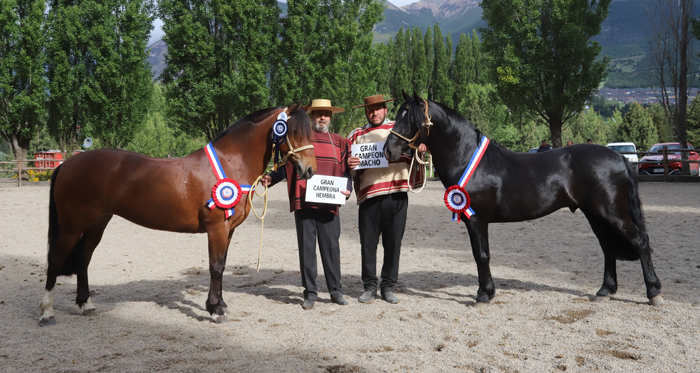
x=164, y=194
x=528, y=186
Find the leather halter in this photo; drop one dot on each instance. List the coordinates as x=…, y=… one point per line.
x=427, y=123
x=291, y=150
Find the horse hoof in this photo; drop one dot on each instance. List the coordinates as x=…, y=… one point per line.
x=92, y=312
x=47, y=322
x=220, y=319
x=480, y=305
x=657, y=300
x=601, y=298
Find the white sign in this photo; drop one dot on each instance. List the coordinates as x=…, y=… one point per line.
x=326, y=189
x=371, y=155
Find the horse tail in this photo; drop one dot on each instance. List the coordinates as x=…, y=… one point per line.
x=53, y=215
x=634, y=207
x=72, y=263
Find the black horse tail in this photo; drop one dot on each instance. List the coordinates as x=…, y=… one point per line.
x=634, y=207
x=73, y=261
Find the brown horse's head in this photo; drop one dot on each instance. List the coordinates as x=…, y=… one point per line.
x=299, y=141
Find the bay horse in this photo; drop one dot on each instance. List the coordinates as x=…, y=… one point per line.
x=508, y=187
x=164, y=194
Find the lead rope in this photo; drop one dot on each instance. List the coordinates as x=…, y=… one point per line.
x=254, y=190
x=416, y=157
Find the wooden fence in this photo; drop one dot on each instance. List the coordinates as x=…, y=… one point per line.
x=665, y=160
x=20, y=168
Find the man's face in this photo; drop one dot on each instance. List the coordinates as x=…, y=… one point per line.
x=544, y=143
x=321, y=120
x=375, y=114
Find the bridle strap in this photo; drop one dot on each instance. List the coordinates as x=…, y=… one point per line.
x=293, y=151
x=427, y=124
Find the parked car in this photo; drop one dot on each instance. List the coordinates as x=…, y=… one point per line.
x=533, y=150
x=653, y=164
x=625, y=147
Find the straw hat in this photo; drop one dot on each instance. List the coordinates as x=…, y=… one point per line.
x=372, y=100
x=322, y=104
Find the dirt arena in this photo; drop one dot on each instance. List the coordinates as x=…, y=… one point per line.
x=150, y=288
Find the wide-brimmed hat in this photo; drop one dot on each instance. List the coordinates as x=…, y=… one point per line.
x=373, y=100
x=323, y=104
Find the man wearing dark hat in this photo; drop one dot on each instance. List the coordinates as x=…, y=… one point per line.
x=381, y=194
x=318, y=220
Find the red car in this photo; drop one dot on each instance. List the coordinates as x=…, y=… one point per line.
x=653, y=164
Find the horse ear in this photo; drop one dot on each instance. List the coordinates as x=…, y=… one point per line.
x=306, y=107
x=417, y=97
x=405, y=95
x=293, y=108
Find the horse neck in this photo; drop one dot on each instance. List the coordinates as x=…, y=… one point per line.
x=451, y=142
x=247, y=150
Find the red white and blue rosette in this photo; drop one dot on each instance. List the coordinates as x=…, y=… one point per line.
x=457, y=200
x=226, y=193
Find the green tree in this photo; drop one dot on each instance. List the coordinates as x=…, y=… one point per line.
x=419, y=75
x=545, y=63
x=429, y=60
x=694, y=123
x=22, y=85
x=442, y=85
x=218, y=61
x=660, y=119
x=482, y=106
x=637, y=127
x=400, y=73
x=326, y=52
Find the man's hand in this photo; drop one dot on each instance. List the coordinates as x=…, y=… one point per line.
x=266, y=180
x=346, y=193
x=353, y=162
x=422, y=148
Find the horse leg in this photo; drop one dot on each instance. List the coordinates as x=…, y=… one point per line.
x=479, y=237
x=608, y=242
x=218, y=246
x=85, y=247
x=60, y=248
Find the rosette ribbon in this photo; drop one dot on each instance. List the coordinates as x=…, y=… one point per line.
x=456, y=197
x=226, y=193
x=278, y=134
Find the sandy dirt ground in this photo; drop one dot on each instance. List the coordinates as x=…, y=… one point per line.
x=150, y=288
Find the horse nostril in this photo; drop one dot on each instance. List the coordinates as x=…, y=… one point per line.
x=387, y=154
x=310, y=172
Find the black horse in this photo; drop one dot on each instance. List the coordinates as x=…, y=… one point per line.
x=508, y=187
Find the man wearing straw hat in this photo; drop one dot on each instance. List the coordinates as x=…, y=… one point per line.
x=381, y=194
x=318, y=220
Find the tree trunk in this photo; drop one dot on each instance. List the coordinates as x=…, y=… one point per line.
x=20, y=147
x=555, y=126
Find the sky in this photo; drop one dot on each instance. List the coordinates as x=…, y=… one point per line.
x=157, y=32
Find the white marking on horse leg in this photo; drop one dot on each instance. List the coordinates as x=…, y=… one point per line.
x=87, y=306
x=657, y=300
x=46, y=305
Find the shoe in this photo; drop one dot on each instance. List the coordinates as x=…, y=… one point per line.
x=308, y=304
x=367, y=296
x=389, y=296
x=338, y=299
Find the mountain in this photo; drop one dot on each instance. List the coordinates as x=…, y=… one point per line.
x=156, y=57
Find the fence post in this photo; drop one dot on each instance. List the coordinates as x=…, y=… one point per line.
x=19, y=173
x=665, y=163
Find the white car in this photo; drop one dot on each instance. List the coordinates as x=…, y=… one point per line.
x=625, y=147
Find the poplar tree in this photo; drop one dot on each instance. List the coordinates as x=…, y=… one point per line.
x=638, y=127
x=442, y=85
x=429, y=60
x=22, y=86
x=420, y=74
x=219, y=57
x=401, y=75
x=545, y=63
x=97, y=70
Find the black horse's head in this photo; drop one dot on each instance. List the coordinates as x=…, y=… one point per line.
x=409, y=130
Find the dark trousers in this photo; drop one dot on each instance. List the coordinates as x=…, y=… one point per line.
x=325, y=225
x=385, y=215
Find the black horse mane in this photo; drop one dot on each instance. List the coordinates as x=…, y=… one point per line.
x=295, y=121
x=416, y=118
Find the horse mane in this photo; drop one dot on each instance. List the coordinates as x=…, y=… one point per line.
x=295, y=121
x=417, y=116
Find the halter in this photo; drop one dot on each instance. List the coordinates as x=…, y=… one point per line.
x=427, y=123
x=278, y=138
